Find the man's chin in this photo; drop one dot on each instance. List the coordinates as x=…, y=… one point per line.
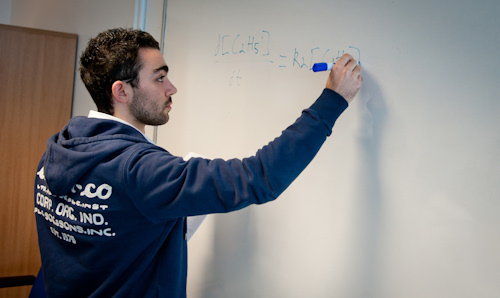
x=158, y=121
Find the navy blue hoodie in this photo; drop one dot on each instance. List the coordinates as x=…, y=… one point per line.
x=111, y=207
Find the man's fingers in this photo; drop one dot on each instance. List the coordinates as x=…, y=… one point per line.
x=344, y=60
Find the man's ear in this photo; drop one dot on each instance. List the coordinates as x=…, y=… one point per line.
x=121, y=91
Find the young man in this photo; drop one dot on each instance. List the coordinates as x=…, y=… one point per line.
x=111, y=206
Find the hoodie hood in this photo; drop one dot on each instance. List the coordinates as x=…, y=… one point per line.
x=80, y=146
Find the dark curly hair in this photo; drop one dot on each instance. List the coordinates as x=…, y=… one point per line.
x=111, y=56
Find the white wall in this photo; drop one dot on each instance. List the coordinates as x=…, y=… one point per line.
x=5, y=11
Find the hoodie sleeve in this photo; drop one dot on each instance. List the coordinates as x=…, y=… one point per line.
x=164, y=187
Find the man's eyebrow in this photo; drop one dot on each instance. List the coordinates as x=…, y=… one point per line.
x=164, y=68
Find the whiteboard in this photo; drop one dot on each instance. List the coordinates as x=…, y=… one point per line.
x=402, y=200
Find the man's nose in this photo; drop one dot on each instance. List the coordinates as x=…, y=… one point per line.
x=171, y=89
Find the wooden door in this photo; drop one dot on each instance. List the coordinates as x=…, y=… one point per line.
x=37, y=70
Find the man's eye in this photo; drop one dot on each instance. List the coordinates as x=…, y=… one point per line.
x=160, y=79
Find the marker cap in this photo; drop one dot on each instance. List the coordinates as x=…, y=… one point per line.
x=322, y=66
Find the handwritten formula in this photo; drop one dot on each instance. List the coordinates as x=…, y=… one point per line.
x=241, y=49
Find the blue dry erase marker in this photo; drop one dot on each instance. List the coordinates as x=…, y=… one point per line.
x=322, y=66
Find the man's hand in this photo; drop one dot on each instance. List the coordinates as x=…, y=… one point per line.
x=345, y=77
